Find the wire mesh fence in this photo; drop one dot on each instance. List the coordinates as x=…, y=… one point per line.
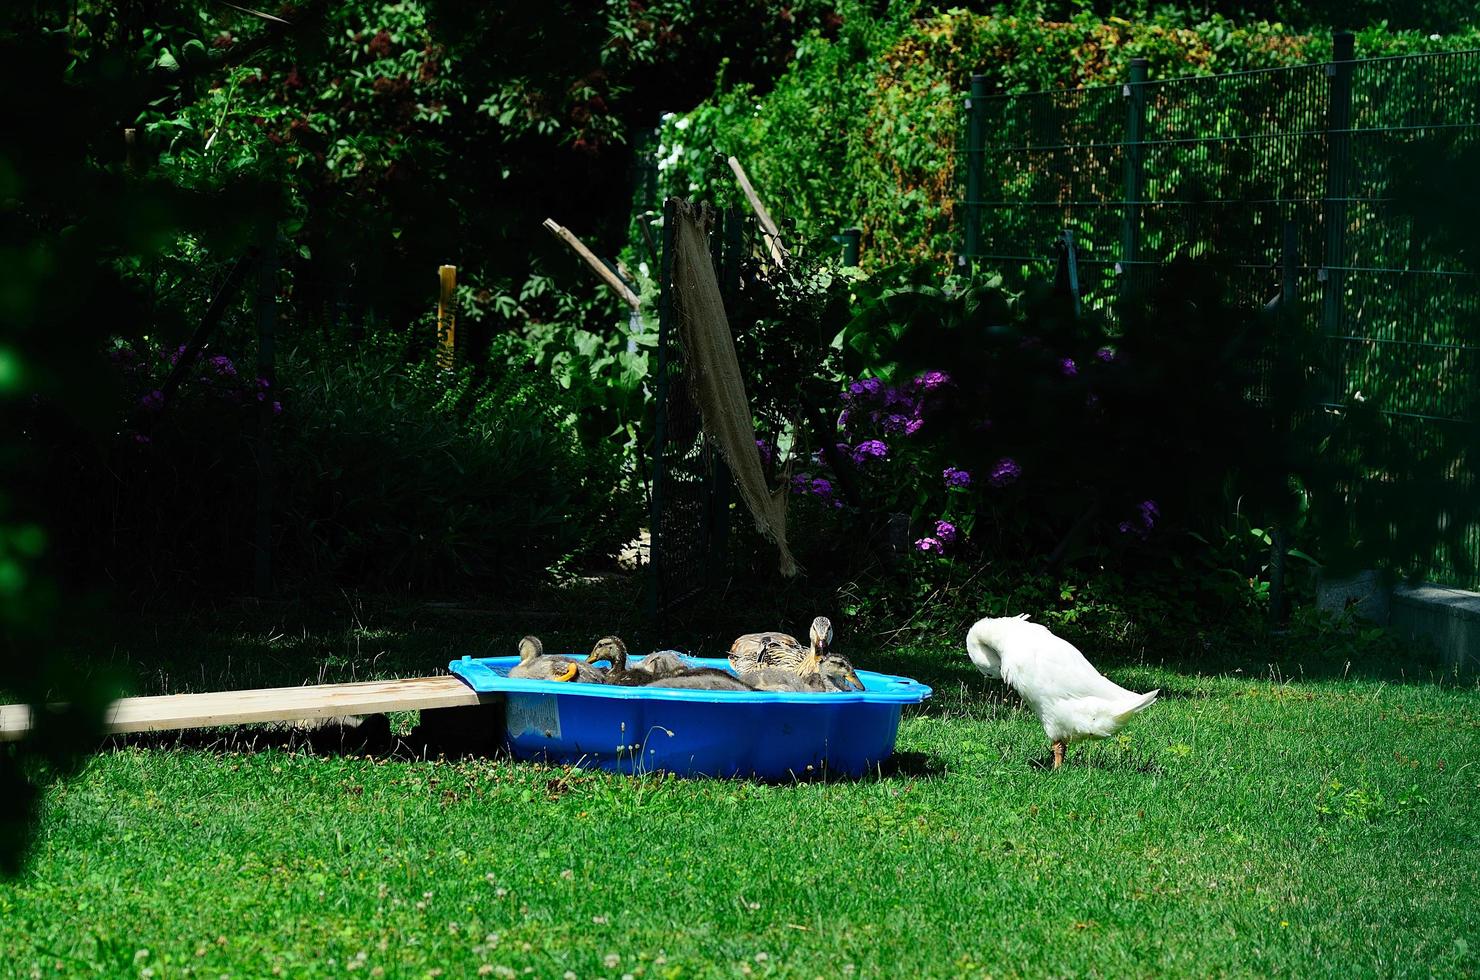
x=1292, y=172
x=691, y=484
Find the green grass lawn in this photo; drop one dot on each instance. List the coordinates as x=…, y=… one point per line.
x=1248, y=824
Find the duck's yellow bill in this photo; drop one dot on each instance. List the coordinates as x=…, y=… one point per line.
x=570, y=672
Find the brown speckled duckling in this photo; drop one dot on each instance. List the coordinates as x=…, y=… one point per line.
x=664, y=663
x=534, y=665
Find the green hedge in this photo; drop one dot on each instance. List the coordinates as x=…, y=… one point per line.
x=862, y=130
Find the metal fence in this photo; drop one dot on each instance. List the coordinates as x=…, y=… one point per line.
x=1289, y=170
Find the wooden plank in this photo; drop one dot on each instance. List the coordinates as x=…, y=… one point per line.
x=768, y=226
x=171, y=712
x=597, y=266
x=15, y=721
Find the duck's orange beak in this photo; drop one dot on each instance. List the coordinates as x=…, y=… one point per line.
x=570, y=672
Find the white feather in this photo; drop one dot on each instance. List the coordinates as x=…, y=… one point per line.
x=1074, y=701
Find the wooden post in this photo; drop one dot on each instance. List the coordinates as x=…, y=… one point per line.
x=131, y=149
x=447, y=318
x=768, y=226
x=602, y=270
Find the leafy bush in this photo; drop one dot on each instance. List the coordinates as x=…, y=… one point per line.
x=407, y=478
x=389, y=474
x=863, y=128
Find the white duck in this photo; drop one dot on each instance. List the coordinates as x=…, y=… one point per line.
x=1074, y=701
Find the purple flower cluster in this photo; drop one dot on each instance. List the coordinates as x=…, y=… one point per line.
x=1067, y=367
x=1148, y=513
x=217, y=375
x=817, y=486
x=897, y=410
x=1004, y=472
x=956, y=479
x=764, y=448
x=932, y=380
x=870, y=449
x=1105, y=354
x=944, y=536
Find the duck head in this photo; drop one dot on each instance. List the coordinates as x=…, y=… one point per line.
x=836, y=669
x=529, y=648
x=609, y=648
x=821, y=634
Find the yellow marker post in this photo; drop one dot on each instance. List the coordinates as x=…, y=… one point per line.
x=447, y=317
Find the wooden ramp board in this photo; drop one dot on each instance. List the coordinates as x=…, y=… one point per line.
x=171, y=712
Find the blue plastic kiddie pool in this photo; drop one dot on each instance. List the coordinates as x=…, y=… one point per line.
x=764, y=734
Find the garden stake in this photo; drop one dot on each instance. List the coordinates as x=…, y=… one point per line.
x=599, y=267
x=768, y=226
x=447, y=317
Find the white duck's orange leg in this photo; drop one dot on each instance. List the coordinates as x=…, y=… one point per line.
x=1058, y=754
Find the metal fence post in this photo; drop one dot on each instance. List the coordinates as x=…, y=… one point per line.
x=1338, y=168
x=727, y=268
x=976, y=139
x=1066, y=274
x=850, y=239
x=660, y=408
x=267, y=286
x=1135, y=126
x=1285, y=318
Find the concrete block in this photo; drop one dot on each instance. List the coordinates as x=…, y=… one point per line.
x=1448, y=618
x=1365, y=594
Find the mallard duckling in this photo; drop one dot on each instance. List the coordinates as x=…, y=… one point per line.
x=819, y=675
x=534, y=665
x=703, y=679
x=664, y=663
x=837, y=673
x=754, y=651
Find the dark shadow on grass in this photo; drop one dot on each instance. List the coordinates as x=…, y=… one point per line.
x=371, y=738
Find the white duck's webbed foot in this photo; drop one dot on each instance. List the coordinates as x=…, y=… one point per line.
x=1058, y=754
